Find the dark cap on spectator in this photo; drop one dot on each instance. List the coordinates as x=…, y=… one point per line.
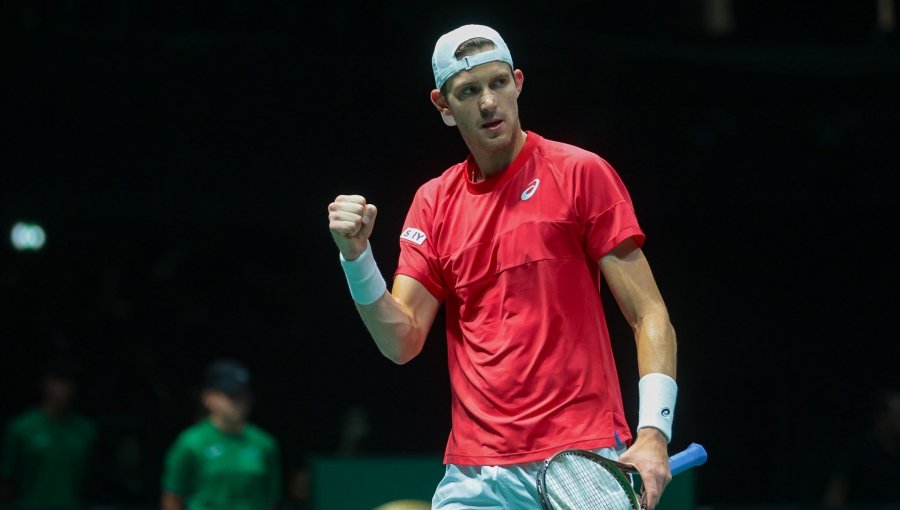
x=228, y=376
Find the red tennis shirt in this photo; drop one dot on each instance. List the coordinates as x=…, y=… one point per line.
x=514, y=258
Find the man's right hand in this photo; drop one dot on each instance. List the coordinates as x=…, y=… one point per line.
x=351, y=220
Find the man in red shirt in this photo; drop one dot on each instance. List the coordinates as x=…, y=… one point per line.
x=513, y=240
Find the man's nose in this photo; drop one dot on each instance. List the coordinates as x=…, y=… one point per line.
x=488, y=102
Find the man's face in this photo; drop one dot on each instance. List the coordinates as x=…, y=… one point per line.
x=484, y=102
x=230, y=407
x=59, y=392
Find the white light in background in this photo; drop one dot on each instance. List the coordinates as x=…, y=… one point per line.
x=27, y=236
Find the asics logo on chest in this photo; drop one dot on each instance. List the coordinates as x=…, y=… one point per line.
x=531, y=189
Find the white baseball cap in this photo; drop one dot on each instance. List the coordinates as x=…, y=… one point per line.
x=445, y=65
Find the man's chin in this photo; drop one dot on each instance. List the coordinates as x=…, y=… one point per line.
x=496, y=139
x=490, y=141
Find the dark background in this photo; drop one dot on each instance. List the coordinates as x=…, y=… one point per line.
x=181, y=155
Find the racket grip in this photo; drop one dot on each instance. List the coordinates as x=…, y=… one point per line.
x=692, y=456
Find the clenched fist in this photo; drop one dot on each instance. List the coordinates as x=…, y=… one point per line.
x=351, y=220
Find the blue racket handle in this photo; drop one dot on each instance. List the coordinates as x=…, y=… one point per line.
x=692, y=456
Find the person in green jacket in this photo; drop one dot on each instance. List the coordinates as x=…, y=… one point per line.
x=223, y=462
x=46, y=450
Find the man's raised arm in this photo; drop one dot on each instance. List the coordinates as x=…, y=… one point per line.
x=399, y=320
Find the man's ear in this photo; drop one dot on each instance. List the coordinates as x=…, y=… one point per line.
x=440, y=102
x=519, y=78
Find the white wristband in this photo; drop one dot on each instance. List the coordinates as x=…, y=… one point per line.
x=657, y=394
x=364, y=277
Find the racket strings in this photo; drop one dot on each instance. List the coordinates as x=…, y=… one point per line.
x=577, y=483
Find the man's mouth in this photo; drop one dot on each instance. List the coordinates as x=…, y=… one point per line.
x=492, y=124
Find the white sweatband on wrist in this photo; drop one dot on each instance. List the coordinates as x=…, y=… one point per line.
x=364, y=277
x=657, y=408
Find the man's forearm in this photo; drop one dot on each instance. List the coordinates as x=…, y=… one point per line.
x=656, y=345
x=393, y=328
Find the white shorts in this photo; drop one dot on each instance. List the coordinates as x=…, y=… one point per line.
x=495, y=487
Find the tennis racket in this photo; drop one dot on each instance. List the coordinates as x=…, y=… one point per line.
x=581, y=480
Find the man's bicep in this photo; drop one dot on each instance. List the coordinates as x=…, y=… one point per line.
x=628, y=275
x=416, y=299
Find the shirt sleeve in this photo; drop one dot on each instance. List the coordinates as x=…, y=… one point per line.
x=604, y=208
x=178, y=471
x=418, y=257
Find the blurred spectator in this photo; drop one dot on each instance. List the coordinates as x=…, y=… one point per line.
x=354, y=431
x=298, y=491
x=47, y=449
x=223, y=462
x=870, y=475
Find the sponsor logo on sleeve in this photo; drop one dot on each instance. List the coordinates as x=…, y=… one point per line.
x=413, y=235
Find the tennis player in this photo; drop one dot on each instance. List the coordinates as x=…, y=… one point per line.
x=513, y=241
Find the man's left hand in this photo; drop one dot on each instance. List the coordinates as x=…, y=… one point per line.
x=649, y=454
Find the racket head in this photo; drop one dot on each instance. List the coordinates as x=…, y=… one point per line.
x=579, y=479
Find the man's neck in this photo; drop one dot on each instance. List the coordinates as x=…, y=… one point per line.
x=54, y=412
x=227, y=426
x=494, y=163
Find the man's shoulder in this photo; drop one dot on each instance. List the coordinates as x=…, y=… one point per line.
x=260, y=436
x=442, y=183
x=27, y=419
x=557, y=151
x=195, y=435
